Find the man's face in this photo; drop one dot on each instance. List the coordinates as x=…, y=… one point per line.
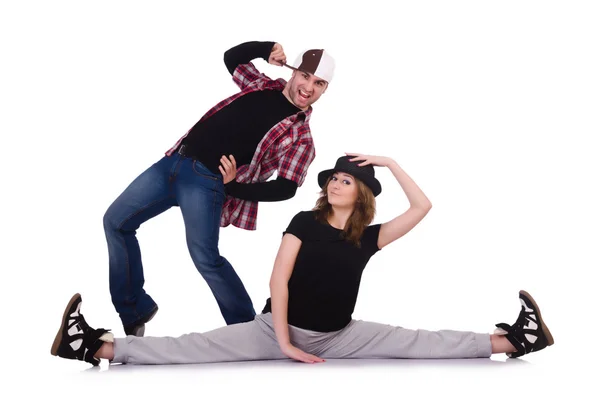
x=304, y=89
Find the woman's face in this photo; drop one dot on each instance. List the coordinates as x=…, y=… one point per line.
x=342, y=190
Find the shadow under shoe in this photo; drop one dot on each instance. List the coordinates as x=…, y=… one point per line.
x=75, y=339
x=529, y=333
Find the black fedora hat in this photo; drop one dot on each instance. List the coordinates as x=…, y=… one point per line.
x=365, y=174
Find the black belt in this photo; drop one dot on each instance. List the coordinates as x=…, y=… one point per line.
x=183, y=150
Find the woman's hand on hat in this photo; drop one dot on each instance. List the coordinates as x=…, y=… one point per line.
x=228, y=168
x=365, y=159
x=277, y=56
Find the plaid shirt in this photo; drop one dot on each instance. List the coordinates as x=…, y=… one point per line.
x=288, y=148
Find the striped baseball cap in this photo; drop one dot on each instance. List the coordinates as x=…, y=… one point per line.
x=317, y=62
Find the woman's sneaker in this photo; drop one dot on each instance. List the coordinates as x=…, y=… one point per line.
x=75, y=339
x=529, y=333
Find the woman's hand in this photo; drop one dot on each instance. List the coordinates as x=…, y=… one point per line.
x=228, y=168
x=378, y=161
x=294, y=353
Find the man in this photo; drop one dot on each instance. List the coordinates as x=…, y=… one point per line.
x=217, y=173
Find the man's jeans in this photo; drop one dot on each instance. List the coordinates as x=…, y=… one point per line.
x=173, y=181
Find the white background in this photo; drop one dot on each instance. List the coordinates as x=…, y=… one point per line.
x=491, y=107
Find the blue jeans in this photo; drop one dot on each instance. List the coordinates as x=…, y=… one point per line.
x=172, y=181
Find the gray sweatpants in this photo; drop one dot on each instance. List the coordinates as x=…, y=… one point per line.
x=256, y=340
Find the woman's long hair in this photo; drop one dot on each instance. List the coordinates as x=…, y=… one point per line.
x=362, y=216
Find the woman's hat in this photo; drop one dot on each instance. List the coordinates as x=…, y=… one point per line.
x=365, y=174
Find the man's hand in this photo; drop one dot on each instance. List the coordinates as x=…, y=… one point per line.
x=228, y=168
x=297, y=354
x=277, y=56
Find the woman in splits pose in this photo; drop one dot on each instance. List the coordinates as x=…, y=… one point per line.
x=313, y=289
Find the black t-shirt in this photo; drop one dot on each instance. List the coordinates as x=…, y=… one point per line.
x=324, y=284
x=238, y=128
x=203, y=135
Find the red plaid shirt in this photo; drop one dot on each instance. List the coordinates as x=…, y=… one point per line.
x=288, y=148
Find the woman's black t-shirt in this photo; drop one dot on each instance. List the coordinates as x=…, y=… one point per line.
x=324, y=284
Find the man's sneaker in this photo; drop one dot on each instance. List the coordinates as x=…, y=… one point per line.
x=139, y=328
x=529, y=333
x=75, y=339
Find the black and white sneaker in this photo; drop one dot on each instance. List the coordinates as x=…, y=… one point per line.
x=529, y=333
x=75, y=339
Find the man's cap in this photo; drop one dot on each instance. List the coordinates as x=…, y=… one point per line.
x=317, y=62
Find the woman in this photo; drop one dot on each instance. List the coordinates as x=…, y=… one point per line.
x=314, y=285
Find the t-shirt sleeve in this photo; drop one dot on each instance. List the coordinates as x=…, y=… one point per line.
x=369, y=239
x=299, y=225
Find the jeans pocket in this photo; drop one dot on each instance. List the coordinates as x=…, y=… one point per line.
x=200, y=169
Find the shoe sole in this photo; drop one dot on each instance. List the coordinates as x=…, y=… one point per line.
x=58, y=338
x=545, y=329
x=140, y=330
